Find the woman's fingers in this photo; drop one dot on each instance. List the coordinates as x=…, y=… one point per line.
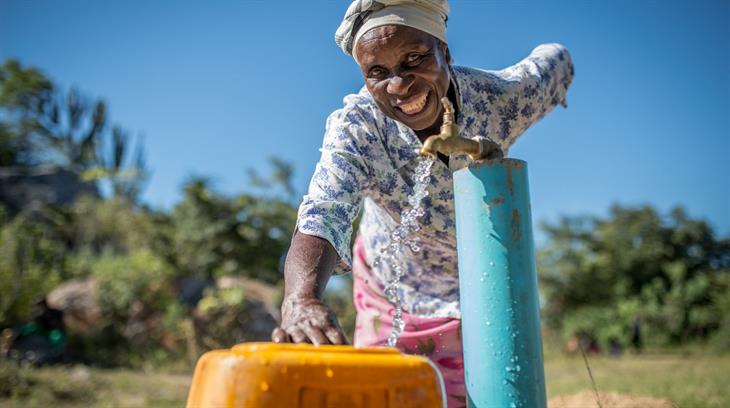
x=492, y=150
x=496, y=153
x=335, y=335
x=297, y=335
x=279, y=335
x=315, y=335
x=308, y=321
x=309, y=334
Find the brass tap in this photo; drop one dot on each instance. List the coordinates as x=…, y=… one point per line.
x=448, y=141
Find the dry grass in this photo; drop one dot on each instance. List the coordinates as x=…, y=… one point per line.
x=587, y=399
x=84, y=387
x=685, y=381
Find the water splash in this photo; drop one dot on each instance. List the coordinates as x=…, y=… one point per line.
x=403, y=236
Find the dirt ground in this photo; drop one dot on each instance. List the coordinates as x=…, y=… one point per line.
x=587, y=399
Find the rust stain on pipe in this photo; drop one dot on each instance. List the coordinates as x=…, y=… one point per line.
x=496, y=201
x=516, y=234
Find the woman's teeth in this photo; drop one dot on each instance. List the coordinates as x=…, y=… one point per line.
x=415, y=106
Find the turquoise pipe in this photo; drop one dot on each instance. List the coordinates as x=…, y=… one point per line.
x=498, y=286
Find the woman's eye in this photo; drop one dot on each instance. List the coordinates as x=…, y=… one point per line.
x=377, y=73
x=414, y=58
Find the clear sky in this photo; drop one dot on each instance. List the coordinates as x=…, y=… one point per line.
x=219, y=87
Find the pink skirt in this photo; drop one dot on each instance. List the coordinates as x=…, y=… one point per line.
x=439, y=339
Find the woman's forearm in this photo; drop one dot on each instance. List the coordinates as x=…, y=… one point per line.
x=309, y=265
x=304, y=317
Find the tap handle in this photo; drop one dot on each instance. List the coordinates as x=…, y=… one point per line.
x=448, y=111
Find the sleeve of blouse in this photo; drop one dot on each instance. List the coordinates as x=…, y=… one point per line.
x=335, y=194
x=531, y=89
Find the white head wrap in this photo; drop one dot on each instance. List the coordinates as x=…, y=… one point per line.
x=429, y=16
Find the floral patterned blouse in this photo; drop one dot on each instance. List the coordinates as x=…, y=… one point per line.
x=368, y=162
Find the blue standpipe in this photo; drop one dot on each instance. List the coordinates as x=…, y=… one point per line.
x=498, y=286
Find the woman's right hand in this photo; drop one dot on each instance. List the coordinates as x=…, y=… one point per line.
x=308, y=320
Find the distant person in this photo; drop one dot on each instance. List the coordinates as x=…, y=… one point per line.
x=614, y=347
x=368, y=164
x=636, y=343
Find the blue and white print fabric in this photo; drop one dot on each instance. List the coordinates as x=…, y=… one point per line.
x=368, y=163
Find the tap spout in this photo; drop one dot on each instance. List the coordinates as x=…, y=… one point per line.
x=448, y=141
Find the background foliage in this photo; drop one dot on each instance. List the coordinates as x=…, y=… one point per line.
x=668, y=274
x=156, y=276
x=152, y=273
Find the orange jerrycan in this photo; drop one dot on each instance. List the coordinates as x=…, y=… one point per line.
x=269, y=375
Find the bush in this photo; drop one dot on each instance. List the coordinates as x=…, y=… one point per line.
x=31, y=264
x=135, y=293
x=598, y=276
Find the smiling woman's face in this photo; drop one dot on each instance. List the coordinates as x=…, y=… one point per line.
x=406, y=71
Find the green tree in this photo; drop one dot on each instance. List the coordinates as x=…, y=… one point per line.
x=41, y=124
x=209, y=234
x=281, y=176
x=31, y=264
x=598, y=275
x=22, y=93
x=126, y=171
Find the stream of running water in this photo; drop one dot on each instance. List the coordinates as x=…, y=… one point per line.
x=403, y=236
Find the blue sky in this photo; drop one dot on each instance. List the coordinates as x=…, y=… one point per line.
x=219, y=87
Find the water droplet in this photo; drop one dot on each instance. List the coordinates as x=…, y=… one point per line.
x=329, y=373
x=264, y=386
x=504, y=382
x=512, y=405
x=489, y=323
x=517, y=367
x=491, y=263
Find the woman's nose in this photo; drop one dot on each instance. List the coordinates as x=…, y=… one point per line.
x=399, y=85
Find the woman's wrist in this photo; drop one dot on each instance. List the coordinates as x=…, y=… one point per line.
x=299, y=296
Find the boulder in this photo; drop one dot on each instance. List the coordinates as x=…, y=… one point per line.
x=77, y=299
x=252, y=319
x=255, y=290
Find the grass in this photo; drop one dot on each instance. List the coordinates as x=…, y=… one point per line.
x=89, y=387
x=688, y=381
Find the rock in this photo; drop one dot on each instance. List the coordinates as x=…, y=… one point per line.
x=252, y=319
x=77, y=299
x=255, y=290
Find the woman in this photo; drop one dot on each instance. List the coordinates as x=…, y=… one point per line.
x=368, y=162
